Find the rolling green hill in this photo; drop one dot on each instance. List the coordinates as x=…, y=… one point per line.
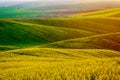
x=105, y=41
x=97, y=25
x=21, y=33
x=26, y=32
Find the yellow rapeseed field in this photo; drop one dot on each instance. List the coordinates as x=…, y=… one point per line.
x=15, y=66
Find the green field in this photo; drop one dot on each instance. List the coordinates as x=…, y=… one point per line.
x=80, y=47
x=14, y=12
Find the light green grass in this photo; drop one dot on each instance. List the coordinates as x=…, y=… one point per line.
x=24, y=12
x=18, y=13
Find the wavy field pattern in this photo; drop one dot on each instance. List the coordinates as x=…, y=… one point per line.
x=80, y=47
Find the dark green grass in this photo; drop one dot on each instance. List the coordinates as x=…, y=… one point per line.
x=22, y=33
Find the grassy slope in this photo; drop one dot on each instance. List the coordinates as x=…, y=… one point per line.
x=31, y=31
x=14, y=32
x=96, y=25
x=26, y=32
x=105, y=41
